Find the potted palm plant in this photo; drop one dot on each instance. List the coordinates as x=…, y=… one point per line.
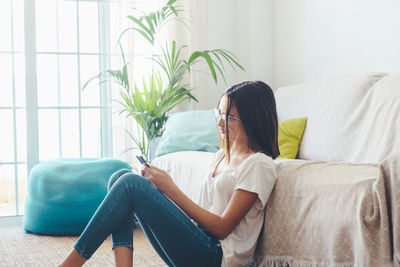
x=150, y=101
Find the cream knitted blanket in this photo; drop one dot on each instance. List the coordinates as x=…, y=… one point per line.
x=332, y=214
x=391, y=171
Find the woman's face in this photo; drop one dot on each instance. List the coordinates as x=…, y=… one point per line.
x=236, y=131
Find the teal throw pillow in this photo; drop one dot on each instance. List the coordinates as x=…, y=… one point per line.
x=189, y=131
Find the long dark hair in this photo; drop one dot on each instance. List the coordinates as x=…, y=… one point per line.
x=255, y=103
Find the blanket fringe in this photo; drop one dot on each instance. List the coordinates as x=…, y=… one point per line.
x=285, y=261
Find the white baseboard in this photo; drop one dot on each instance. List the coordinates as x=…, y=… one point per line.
x=11, y=221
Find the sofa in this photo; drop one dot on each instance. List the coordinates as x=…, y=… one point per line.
x=338, y=202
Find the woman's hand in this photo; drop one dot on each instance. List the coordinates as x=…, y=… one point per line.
x=159, y=178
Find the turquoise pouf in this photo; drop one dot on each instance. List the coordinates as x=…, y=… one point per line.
x=63, y=194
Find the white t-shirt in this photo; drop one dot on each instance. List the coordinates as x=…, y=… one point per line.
x=256, y=173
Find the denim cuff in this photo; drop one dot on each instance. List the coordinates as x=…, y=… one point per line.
x=122, y=244
x=82, y=252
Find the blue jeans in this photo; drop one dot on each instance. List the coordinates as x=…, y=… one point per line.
x=176, y=239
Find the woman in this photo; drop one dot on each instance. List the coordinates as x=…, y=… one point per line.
x=223, y=227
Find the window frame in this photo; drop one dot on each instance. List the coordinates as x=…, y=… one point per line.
x=31, y=90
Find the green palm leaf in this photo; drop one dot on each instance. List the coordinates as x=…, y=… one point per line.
x=150, y=24
x=208, y=56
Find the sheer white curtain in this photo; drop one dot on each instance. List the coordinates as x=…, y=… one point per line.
x=136, y=51
x=196, y=37
x=212, y=25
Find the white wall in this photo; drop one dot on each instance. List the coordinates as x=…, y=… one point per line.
x=317, y=39
x=284, y=42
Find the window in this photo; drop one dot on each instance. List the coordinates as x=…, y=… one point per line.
x=59, y=45
x=13, y=168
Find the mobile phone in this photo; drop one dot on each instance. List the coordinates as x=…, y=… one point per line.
x=142, y=160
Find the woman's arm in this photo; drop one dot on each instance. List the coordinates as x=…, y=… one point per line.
x=220, y=226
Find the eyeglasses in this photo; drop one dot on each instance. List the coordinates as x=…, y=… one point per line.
x=222, y=116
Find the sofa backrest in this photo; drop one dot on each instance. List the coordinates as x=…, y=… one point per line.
x=380, y=134
x=352, y=118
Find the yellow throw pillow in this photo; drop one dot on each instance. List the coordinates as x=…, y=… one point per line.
x=289, y=136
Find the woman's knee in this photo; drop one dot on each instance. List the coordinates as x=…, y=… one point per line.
x=131, y=180
x=115, y=176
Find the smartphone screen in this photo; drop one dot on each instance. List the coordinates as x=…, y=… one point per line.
x=142, y=160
